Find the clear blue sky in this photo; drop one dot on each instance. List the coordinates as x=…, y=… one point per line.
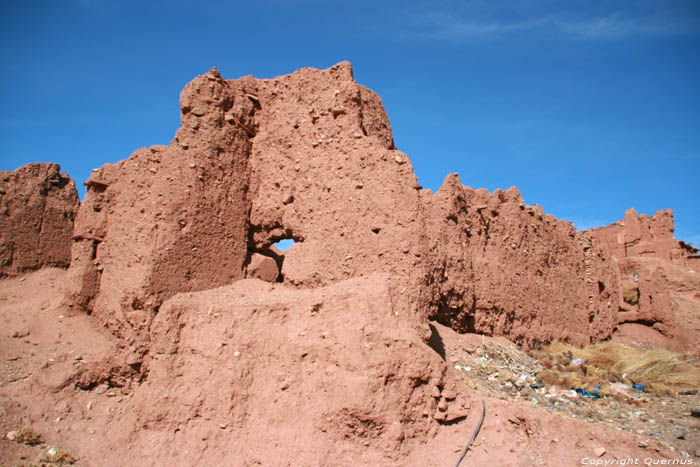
x=588, y=107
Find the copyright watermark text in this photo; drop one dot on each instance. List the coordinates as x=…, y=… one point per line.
x=637, y=461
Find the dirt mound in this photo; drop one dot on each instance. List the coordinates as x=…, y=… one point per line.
x=291, y=361
x=38, y=204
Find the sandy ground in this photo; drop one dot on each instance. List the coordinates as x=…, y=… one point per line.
x=44, y=345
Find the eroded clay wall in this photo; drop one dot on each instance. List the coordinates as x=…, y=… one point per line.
x=38, y=205
x=310, y=156
x=171, y=218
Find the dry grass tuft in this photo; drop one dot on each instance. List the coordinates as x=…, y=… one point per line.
x=511, y=358
x=51, y=456
x=659, y=370
x=27, y=435
x=56, y=456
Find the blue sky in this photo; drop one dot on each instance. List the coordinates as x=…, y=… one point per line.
x=589, y=108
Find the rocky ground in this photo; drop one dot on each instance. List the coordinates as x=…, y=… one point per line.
x=659, y=420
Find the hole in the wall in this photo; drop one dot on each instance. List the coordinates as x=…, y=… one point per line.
x=285, y=244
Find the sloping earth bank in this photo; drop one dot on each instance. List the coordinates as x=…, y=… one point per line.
x=267, y=403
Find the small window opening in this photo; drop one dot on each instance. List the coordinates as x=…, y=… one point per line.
x=284, y=244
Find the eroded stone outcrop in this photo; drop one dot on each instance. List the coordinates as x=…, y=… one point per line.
x=38, y=205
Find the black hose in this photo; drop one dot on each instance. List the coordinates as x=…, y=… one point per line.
x=476, y=431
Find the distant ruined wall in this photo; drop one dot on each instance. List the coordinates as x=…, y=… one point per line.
x=638, y=242
x=644, y=236
x=310, y=156
x=38, y=205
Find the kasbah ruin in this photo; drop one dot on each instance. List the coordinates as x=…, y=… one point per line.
x=156, y=323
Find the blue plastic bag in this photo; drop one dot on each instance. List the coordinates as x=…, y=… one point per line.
x=595, y=394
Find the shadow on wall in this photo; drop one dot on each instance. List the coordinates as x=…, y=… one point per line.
x=436, y=341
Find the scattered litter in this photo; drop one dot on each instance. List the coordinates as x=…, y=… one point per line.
x=632, y=388
x=595, y=394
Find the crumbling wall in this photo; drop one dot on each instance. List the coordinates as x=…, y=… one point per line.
x=171, y=218
x=310, y=156
x=644, y=295
x=643, y=236
x=638, y=243
x=38, y=205
x=324, y=172
x=694, y=262
x=503, y=268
